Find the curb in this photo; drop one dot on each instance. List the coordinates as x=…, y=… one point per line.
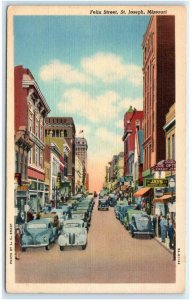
x=169, y=250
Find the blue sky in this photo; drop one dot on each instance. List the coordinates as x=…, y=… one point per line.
x=87, y=67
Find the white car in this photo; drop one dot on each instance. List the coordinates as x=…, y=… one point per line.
x=73, y=233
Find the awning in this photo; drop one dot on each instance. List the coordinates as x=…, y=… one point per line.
x=162, y=199
x=141, y=192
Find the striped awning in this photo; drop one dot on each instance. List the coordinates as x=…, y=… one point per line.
x=162, y=199
x=141, y=192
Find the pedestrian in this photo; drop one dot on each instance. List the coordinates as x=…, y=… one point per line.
x=38, y=216
x=17, y=244
x=154, y=222
x=170, y=231
x=30, y=216
x=163, y=225
x=174, y=241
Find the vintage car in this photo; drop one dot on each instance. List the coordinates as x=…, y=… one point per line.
x=141, y=224
x=128, y=215
x=117, y=207
x=39, y=233
x=121, y=213
x=112, y=200
x=103, y=204
x=81, y=214
x=73, y=233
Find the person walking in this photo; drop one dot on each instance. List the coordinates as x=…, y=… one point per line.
x=163, y=225
x=170, y=231
x=17, y=244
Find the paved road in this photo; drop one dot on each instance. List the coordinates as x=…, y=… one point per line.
x=112, y=256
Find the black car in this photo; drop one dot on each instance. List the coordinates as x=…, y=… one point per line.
x=103, y=204
x=141, y=224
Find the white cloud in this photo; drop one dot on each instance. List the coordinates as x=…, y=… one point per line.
x=95, y=109
x=65, y=73
x=120, y=124
x=111, y=68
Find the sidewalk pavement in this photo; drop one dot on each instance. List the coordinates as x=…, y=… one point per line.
x=165, y=245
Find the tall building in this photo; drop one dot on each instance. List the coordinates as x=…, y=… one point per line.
x=31, y=109
x=81, y=151
x=133, y=119
x=158, y=86
x=61, y=131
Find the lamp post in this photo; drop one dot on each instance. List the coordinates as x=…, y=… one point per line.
x=172, y=186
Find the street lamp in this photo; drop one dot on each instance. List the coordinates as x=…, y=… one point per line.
x=172, y=186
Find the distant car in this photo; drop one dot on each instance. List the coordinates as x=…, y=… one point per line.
x=95, y=194
x=112, y=200
x=141, y=224
x=103, y=204
x=73, y=233
x=38, y=233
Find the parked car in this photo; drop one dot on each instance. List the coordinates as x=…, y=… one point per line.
x=38, y=233
x=141, y=224
x=112, y=200
x=95, y=194
x=103, y=204
x=121, y=213
x=73, y=233
x=128, y=216
x=117, y=207
x=81, y=214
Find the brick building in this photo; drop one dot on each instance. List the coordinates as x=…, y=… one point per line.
x=158, y=86
x=132, y=119
x=31, y=109
x=62, y=130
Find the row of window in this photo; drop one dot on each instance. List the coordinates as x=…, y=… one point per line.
x=35, y=156
x=171, y=147
x=35, y=126
x=56, y=133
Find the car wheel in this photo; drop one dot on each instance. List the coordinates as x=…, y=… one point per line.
x=132, y=234
x=84, y=246
x=61, y=248
x=48, y=247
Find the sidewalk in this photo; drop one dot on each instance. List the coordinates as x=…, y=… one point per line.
x=165, y=245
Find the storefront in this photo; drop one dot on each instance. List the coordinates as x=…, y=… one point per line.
x=37, y=195
x=21, y=204
x=144, y=197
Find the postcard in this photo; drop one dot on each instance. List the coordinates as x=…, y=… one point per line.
x=96, y=107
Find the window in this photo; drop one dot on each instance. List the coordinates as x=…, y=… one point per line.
x=36, y=156
x=173, y=146
x=168, y=148
x=65, y=133
x=31, y=122
x=41, y=159
x=25, y=172
x=20, y=162
x=41, y=132
x=30, y=156
x=37, y=128
x=23, y=167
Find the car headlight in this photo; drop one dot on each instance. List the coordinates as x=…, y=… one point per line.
x=45, y=238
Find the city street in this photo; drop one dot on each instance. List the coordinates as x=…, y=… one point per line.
x=111, y=256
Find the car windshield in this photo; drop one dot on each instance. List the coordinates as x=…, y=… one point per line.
x=77, y=216
x=70, y=225
x=37, y=226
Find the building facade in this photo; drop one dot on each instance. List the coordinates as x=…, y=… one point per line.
x=138, y=160
x=158, y=86
x=62, y=129
x=30, y=101
x=132, y=119
x=78, y=174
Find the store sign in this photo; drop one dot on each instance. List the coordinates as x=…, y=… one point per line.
x=22, y=188
x=165, y=165
x=152, y=182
